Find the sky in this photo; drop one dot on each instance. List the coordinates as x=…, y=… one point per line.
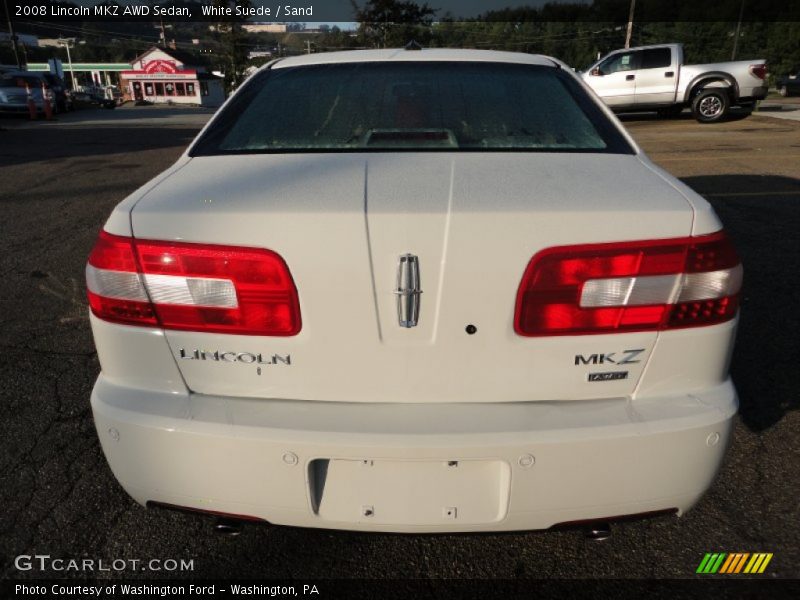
x=473, y=8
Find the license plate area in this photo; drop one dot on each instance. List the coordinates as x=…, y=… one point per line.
x=409, y=492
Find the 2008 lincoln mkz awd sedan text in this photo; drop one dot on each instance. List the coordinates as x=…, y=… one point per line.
x=414, y=291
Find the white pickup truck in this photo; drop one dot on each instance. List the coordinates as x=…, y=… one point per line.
x=656, y=78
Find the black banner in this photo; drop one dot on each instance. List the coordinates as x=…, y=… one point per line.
x=398, y=11
x=356, y=589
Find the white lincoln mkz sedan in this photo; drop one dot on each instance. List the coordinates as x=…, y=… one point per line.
x=414, y=291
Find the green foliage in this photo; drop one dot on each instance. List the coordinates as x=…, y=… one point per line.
x=392, y=23
x=575, y=33
x=229, y=42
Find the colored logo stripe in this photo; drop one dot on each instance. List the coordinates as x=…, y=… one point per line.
x=703, y=563
x=711, y=562
x=727, y=564
x=737, y=562
x=733, y=563
x=758, y=563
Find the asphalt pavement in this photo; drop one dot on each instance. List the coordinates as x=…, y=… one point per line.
x=60, y=180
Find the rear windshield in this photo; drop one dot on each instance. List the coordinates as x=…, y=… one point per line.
x=421, y=106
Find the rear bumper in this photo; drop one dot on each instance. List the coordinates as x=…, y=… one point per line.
x=754, y=93
x=554, y=462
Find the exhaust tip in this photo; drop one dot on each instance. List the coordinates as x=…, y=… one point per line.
x=588, y=525
x=220, y=516
x=597, y=532
x=227, y=527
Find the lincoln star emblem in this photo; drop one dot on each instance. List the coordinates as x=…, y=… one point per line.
x=408, y=290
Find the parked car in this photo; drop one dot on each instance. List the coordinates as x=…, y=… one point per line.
x=441, y=290
x=89, y=97
x=112, y=92
x=789, y=84
x=14, y=86
x=655, y=78
x=62, y=101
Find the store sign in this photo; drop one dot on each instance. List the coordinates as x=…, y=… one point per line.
x=188, y=74
x=160, y=66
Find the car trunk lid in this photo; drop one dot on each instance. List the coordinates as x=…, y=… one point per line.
x=343, y=222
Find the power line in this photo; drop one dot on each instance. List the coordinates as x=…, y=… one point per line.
x=102, y=34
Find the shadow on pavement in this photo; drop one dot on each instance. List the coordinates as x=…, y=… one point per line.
x=736, y=114
x=25, y=145
x=762, y=215
x=124, y=113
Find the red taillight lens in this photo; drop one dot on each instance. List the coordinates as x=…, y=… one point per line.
x=630, y=286
x=759, y=71
x=192, y=287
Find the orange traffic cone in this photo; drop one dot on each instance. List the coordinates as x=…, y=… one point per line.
x=31, y=103
x=48, y=110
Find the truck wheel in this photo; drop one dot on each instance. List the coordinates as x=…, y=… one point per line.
x=710, y=106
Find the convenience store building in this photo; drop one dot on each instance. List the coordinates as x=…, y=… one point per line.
x=168, y=76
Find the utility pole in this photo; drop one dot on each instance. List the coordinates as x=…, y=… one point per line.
x=630, y=25
x=13, y=36
x=65, y=43
x=385, y=27
x=738, y=31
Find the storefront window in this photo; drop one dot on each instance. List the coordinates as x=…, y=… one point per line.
x=180, y=89
x=159, y=89
x=148, y=89
x=170, y=88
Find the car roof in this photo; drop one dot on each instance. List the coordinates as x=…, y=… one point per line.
x=425, y=55
x=648, y=47
x=36, y=74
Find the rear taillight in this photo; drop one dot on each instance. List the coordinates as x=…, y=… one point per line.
x=192, y=287
x=629, y=286
x=759, y=71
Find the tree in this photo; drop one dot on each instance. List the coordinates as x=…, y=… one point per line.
x=390, y=23
x=231, y=41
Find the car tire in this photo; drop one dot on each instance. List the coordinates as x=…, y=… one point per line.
x=711, y=105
